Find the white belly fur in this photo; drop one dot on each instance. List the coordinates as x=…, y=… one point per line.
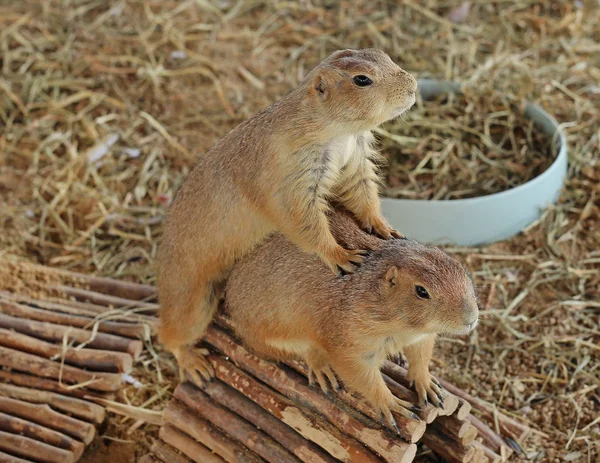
x=346, y=151
x=341, y=151
x=395, y=344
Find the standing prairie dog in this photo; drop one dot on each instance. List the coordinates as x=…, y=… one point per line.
x=276, y=172
x=284, y=303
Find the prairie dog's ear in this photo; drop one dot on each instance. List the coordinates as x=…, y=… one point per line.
x=321, y=87
x=391, y=277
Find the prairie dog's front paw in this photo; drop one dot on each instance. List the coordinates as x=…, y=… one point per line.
x=344, y=261
x=394, y=404
x=379, y=227
x=428, y=387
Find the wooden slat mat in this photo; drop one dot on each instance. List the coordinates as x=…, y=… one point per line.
x=257, y=411
x=65, y=339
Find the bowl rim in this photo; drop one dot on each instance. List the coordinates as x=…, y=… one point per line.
x=441, y=87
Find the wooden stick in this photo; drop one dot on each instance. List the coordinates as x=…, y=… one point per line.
x=516, y=429
x=453, y=427
x=233, y=425
x=307, y=423
x=446, y=447
x=185, y=444
x=182, y=418
x=470, y=436
x=53, y=332
x=32, y=449
x=304, y=449
x=399, y=374
x=130, y=330
x=120, y=288
x=168, y=453
x=106, y=299
x=464, y=409
x=35, y=382
x=410, y=430
x=38, y=432
x=490, y=438
x=78, y=308
x=76, y=407
x=97, y=360
x=29, y=363
x=288, y=383
x=428, y=414
x=6, y=458
x=102, y=284
x=44, y=415
x=492, y=456
x=479, y=456
x=52, y=303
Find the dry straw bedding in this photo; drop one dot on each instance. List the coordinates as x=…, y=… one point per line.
x=104, y=105
x=464, y=146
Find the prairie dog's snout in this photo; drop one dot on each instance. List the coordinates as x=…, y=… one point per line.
x=408, y=86
x=467, y=309
x=471, y=314
x=409, y=82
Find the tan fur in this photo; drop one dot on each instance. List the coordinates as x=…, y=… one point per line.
x=277, y=172
x=285, y=303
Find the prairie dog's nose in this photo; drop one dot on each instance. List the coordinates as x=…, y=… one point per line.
x=470, y=313
x=409, y=80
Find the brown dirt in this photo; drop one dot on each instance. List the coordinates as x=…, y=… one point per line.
x=103, y=450
x=33, y=280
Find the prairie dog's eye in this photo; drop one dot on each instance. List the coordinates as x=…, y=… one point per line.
x=362, y=81
x=422, y=292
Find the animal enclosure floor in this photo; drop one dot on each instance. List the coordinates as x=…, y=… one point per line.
x=104, y=105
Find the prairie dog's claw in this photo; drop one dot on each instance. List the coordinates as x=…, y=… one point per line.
x=319, y=375
x=341, y=271
x=429, y=390
x=193, y=361
x=401, y=407
x=388, y=421
x=397, y=235
x=347, y=260
x=378, y=226
x=407, y=409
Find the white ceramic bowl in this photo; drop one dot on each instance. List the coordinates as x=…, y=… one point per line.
x=484, y=219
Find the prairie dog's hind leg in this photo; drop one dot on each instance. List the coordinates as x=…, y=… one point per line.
x=183, y=321
x=193, y=360
x=319, y=368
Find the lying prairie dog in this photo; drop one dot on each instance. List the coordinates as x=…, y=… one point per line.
x=277, y=172
x=284, y=303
